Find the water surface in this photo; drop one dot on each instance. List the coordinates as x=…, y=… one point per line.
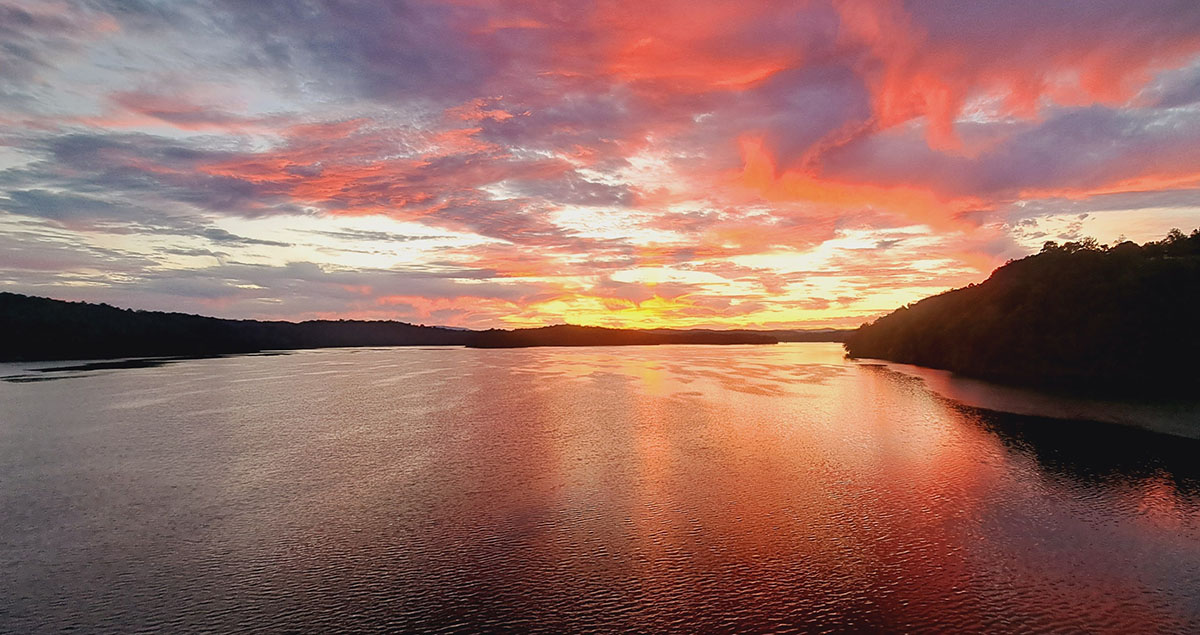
x=685, y=488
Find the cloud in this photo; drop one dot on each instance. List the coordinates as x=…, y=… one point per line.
x=59, y=207
x=377, y=50
x=33, y=34
x=1076, y=151
x=494, y=161
x=95, y=214
x=218, y=235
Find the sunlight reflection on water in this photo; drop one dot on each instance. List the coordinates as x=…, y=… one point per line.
x=636, y=488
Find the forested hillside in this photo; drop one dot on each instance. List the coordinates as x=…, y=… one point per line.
x=1078, y=315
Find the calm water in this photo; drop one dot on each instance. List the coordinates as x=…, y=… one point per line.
x=649, y=488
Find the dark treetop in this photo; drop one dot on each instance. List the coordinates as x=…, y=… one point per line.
x=1078, y=316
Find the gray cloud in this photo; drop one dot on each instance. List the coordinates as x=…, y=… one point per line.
x=378, y=50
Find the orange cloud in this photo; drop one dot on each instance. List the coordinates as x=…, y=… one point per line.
x=914, y=71
x=919, y=205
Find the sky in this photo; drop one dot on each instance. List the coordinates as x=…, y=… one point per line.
x=492, y=163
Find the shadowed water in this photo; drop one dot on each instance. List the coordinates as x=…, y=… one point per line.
x=683, y=488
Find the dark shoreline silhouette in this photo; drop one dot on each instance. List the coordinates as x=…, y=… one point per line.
x=570, y=335
x=34, y=328
x=1080, y=317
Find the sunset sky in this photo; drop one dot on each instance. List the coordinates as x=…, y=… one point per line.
x=491, y=163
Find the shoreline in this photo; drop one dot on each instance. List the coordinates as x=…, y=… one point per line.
x=1169, y=417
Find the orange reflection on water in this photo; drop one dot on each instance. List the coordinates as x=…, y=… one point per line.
x=1160, y=502
x=629, y=488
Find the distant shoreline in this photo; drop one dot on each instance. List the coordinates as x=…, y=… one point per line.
x=43, y=329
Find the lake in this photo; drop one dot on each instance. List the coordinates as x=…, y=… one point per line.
x=661, y=488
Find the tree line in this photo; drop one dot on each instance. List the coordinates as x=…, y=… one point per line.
x=34, y=328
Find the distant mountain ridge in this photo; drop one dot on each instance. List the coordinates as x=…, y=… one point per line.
x=34, y=328
x=1079, y=316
